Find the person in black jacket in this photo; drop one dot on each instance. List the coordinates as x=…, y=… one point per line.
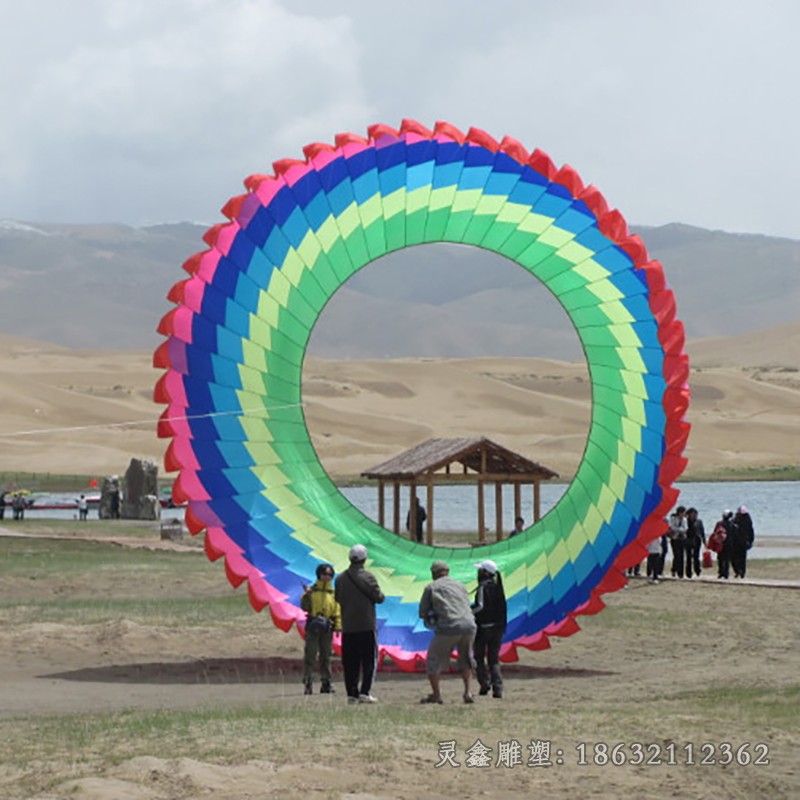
x=419, y=520
x=357, y=591
x=741, y=541
x=721, y=538
x=695, y=539
x=490, y=613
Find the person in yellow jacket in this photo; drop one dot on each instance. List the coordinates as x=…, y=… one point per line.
x=324, y=617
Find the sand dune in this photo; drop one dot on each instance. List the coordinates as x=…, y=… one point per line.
x=90, y=411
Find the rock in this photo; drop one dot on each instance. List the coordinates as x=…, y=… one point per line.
x=140, y=500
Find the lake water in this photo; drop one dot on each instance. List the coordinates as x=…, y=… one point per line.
x=773, y=506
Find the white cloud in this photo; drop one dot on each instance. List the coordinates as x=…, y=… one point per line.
x=137, y=111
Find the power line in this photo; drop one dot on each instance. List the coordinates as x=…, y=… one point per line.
x=133, y=422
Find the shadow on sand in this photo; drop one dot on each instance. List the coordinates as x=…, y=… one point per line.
x=264, y=670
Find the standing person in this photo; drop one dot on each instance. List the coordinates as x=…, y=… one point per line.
x=18, y=506
x=419, y=520
x=357, y=592
x=519, y=526
x=677, y=540
x=115, y=503
x=445, y=607
x=83, y=507
x=720, y=543
x=655, y=561
x=324, y=618
x=491, y=618
x=695, y=539
x=2, y=503
x=742, y=541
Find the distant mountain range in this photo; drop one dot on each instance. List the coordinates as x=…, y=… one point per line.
x=104, y=286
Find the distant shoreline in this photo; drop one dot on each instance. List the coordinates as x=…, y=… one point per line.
x=54, y=482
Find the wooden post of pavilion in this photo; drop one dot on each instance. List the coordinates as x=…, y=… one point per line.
x=481, y=514
x=536, y=501
x=412, y=511
x=381, y=503
x=498, y=509
x=396, y=508
x=429, y=523
x=517, y=502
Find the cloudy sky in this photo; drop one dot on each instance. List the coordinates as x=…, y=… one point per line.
x=142, y=111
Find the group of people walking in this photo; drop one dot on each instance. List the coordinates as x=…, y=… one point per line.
x=732, y=537
x=473, y=627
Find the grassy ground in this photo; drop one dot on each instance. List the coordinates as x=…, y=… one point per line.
x=682, y=664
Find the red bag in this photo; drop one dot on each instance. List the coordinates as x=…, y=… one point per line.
x=717, y=539
x=707, y=560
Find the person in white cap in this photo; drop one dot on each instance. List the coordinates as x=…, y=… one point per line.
x=357, y=592
x=491, y=617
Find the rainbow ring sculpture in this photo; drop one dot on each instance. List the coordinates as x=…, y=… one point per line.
x=236, y=340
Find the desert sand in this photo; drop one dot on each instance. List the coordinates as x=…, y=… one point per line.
x=88, y=412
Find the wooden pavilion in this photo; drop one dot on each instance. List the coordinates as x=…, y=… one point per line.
x=451, y=461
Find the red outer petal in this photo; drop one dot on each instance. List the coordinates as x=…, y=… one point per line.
x=668, y=500
x=251, y=182
x=594, y=199
x=654, y=274
x=376, y=131
x=635, y=248
x=233, y=207
x=343, y=139
x=570, y=179
x=515, y=149
x=166, y=326
x=652, y=528
x=160, y=392
x=676, y=401
x=211, y=552
x=192, y=264
x=613, y=226
x=593, y=606
x=672, y=467
x=315, y=148
x=194, y=524
x=171, y=461
x=477, y=136
x=541, y=162
x=450, y=131
x=412, y=126
x=285, y=164
x=677, y=368
x=234, y=578
x=662, y=304
x=612, y=582
x=673, y=339
x=677, y=436
x=161, y=356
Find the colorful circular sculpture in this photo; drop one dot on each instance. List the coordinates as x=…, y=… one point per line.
x=238, y=335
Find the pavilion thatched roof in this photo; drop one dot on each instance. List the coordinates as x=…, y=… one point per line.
x=436, y=454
